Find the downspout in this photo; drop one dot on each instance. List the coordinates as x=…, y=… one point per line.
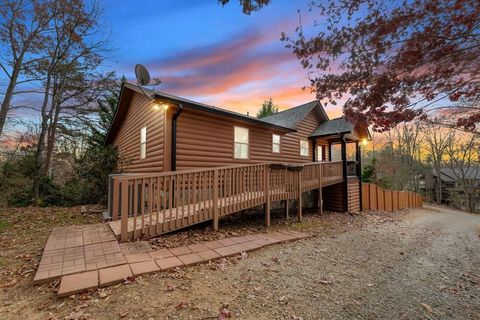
x=345, y=178
x=359, y=174
x=314, y=153
x=174, y=137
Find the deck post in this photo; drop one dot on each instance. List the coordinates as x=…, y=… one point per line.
x=359, y=173
x=215, y=200
x=267, y=196
x=320, y=193
x=299, y=211
x=345, y=178
x=287, y=205
x=124, y=212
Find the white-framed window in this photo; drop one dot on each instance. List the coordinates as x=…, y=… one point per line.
x=143, y=143
x=275, y=143
x=241, y=143
x=304, y=148
x=319, y=153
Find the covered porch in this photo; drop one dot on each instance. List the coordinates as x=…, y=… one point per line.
x=340, y=141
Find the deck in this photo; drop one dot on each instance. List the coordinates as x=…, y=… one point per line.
x=172, y=219
x=159, y=203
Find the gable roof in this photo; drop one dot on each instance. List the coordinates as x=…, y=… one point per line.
x=334, y=126
x=291, y=117
x=127, y=89
x=452, y=175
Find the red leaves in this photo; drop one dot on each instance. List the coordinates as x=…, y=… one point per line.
x=394, y=62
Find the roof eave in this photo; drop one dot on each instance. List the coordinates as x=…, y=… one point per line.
x=108, y=137
x=223, y=113
x=329, y=134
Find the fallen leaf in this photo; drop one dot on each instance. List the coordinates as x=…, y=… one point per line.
x=224, y=313
x=182, y=305
x=427, y=307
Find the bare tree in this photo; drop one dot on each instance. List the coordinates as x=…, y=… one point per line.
x=73, y=47
x=399, y=161
x=437, y=140
x=464, y=164
x=23, y=30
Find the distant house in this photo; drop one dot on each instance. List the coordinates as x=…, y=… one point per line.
x=157, y=132
x=453, y=184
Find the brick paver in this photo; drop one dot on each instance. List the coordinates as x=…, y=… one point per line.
x=137, y=257
x=191, y=258
x=209, y=255
x=161, y=253
x=144, y=267
x=135, y=247
x=90, y=256
x=169, y=263
x=78, y=282
x=180, y=250
x=114, y=275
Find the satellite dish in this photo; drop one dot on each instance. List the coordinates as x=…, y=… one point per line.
x=143, y=77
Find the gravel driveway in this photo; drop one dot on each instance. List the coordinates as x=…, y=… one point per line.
x=423, y=264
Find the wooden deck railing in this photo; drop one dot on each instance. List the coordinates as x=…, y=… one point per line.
x=153, y=204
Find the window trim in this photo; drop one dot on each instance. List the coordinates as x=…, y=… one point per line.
x=279, y=143
x=243, y=143
x=143, y=144
x=321, y=149
x=308, y=147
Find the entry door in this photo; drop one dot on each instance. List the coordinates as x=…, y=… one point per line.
x=319, y=153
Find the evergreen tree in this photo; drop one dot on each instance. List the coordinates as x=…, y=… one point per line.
x=368, y=172
x=268, y=108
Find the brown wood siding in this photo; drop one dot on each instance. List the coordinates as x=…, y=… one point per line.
x=353, y=195
x=333, y=198
x=141, y=113
x=206, y=140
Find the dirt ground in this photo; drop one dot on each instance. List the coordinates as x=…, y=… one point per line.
x=418, y=264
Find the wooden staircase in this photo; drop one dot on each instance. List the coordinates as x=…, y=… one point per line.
x=147, y=205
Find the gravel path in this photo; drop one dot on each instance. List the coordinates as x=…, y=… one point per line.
x=424, y=265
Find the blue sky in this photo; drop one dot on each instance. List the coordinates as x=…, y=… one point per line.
x=210, y=53
x=203, y=51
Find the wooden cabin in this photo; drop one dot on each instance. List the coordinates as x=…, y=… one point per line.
x=162, y=137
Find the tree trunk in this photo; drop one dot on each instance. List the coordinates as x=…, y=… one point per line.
x=41, y=144
x=51, y=139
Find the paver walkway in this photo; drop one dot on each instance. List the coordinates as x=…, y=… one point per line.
x=89, y=256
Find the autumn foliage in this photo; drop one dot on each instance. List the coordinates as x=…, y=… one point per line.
x=392, y=61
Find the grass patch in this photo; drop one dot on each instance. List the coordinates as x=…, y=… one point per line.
x=4, y=225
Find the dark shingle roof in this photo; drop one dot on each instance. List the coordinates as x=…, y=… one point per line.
x=334, y=126
x=452, y=175
x=291, y=117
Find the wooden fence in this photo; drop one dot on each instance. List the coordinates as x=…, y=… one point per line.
x=377, y=198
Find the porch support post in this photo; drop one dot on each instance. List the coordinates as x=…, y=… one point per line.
x=215, y=200
x=314, y=153
x=359, y=172
x=299, y=212
x=320, y=193
x=344, y=165
x=124, y=211
x=287, y=207
x=329, y=151
x=267, y=196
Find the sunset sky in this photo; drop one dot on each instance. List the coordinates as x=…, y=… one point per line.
x=209, y=53
x=202, y=51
